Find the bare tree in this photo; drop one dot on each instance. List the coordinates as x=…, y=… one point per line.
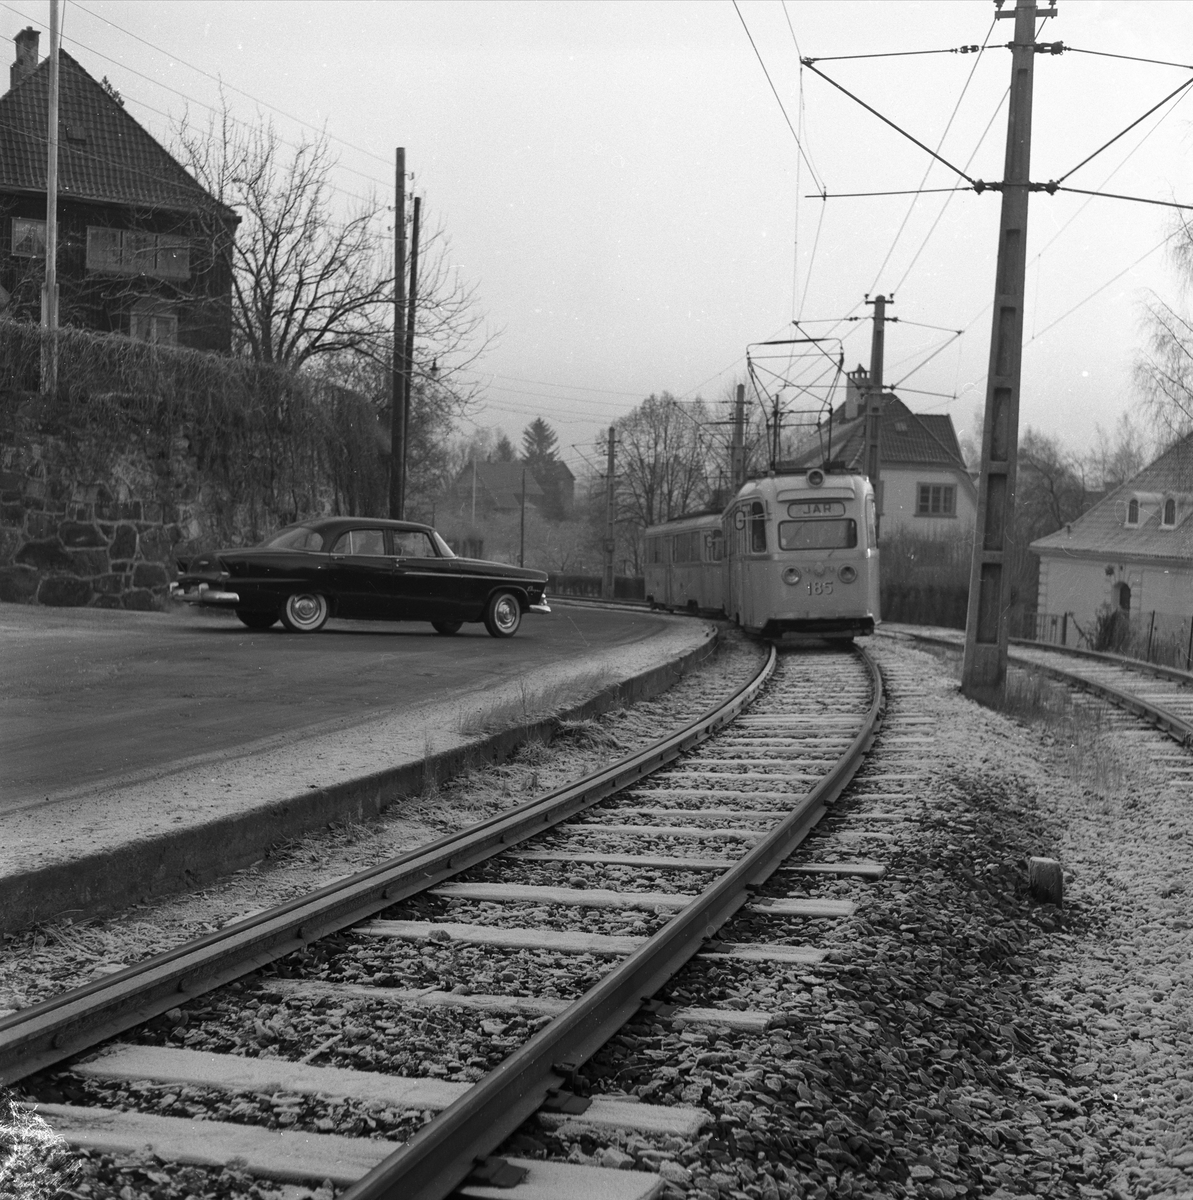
x=1164, y=368
x=1118, y=455
x=663, y=459
x=313, y=278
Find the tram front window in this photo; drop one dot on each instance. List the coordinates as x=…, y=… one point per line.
x=818, y=535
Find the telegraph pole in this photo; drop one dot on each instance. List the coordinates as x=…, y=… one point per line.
x=49, y=293
x=607, y=581
x=872, y=427
x=737, y=464
x=984, y=670
x=397, y=427
x=411, y=305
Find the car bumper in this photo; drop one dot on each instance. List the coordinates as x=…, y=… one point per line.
x=540, y=608
x=202, y=593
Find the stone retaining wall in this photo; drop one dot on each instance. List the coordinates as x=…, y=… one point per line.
x=68, y=539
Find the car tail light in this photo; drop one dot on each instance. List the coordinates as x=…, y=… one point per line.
x=791, y=576
x=846, y=574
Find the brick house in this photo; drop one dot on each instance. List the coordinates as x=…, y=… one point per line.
x=143, y=249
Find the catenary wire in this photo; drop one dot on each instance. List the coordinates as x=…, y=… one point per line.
x=893, y=54
x=1156, y=62
x=944, y=207
x=939, y=144
x=775, y=90
x=190, y=100
x=1122, y=133
x=230, y=87
x=887, y=121
x=1117, y=196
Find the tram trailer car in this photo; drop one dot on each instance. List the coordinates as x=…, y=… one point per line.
x=685, y=564
x=802, y=555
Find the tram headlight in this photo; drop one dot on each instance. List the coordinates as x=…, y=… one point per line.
x=846, y=574
x=791, y=576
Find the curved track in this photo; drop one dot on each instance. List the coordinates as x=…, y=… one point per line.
x=630, y=873
x=1161, y=695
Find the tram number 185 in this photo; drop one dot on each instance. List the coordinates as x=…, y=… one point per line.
x=817, y=587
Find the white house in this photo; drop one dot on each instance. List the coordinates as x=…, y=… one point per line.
x=925, y=487
x=1131, y=553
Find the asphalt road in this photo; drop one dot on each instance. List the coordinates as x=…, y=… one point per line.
x=94, y=697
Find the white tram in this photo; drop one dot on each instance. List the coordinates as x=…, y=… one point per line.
x=798, y=555
x=685, y=564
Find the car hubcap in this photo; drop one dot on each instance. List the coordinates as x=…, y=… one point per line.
x=506, y=613
x=305, y=609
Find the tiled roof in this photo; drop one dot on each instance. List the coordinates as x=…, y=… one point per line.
x=1103, y=529
x=905, y=438
x=103, y=154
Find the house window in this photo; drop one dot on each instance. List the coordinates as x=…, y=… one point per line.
x=151, y=322
x=1133, y=512
x=1169, y=518
x=936, y=500
x=28, y=238
x=134, y=252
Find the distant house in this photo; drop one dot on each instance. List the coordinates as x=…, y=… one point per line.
x=1130, y=554
x=484, y=489
x=926, y=488
x=143, y=249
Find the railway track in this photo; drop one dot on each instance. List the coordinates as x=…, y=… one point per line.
x=488, y=967
x=1162, y=696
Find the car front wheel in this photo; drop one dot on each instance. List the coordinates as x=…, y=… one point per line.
x=256, y=620
x=305, y=612
x=503, y=615
x=446, y=628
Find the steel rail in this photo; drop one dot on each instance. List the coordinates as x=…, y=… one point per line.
x=1175, y=674
x=46, y=1033
x=443, y=1153
x=1176, y=728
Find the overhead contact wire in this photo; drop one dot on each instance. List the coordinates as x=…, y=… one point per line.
x=778, y=98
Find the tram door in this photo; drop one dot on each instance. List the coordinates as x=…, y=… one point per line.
x=735, y=524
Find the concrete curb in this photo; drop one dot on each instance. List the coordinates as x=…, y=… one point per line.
x=190, y=858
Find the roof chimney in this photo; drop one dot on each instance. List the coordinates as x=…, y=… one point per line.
x=26, y=60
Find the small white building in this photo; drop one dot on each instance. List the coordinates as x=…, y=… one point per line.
x=925, y=488
x=1131, y=554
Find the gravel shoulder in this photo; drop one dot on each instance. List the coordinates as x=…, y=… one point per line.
x=961, y=1039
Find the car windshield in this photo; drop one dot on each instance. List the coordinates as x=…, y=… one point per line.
x=296, y=537
x=444, y=549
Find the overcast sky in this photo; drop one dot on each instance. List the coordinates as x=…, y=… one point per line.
x=620, y=184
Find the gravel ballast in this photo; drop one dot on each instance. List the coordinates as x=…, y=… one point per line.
x=961, y=1040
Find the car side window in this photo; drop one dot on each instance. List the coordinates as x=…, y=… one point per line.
x=413, y=544
x=360, y=541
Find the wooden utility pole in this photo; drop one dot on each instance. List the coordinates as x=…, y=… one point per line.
x=610, y=543
x=872, y=426
x=411, y=306
x=49, y=291
x=397, y=428
x=984, y=669
x=522, y=526
x=737, y=464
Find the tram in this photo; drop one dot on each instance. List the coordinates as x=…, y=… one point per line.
x=798, y=554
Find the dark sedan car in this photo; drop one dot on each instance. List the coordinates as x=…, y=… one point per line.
x=364, y=569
